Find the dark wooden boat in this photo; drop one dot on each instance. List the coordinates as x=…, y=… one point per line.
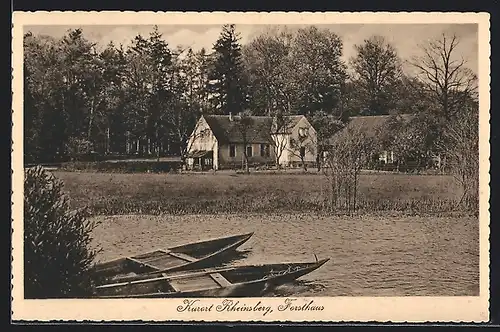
x=184, y=257
x=235, y=281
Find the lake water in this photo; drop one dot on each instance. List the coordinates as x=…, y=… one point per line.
x=369, y=256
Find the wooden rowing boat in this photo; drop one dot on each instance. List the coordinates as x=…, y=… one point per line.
x=180, y=258
x=235, y=281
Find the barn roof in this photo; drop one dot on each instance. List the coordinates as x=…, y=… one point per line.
x=370, y=124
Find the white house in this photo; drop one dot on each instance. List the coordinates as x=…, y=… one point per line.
x=220, y=141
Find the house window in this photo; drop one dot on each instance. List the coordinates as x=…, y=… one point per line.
x=232, y=151
x=205, y=133
x=302, y=151
x=303, y=132
x=264, y=150
x=383, y=157
x=249, y=151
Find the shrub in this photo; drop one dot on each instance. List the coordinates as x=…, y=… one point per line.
x=140, y=166
x=79, y=148
x=57, y=240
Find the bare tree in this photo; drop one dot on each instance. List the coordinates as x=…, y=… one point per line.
x=301, y=145
x=444, y=75
x=279, y=144
x=325, y=126
x=249, y=130
x=461, y=146
x=453, y=87
x=244, y=123
x=279, y=135
x=348, y=153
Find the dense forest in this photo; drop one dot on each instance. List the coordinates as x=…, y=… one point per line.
x=145, y=98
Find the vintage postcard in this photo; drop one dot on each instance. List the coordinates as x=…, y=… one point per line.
x=251, y=167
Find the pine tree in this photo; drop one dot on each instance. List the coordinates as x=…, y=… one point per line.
x=227, y=75
x=150, y=81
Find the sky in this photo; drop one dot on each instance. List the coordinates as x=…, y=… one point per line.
x=405, y=37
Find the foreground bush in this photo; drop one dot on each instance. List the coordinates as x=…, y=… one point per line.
x=57, y=240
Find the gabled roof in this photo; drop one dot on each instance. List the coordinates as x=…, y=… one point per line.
x=371, y=124
x=227, y=129
x=288, y=123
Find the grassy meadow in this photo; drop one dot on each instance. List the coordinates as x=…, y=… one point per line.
x=406, y=238
x=140, y=193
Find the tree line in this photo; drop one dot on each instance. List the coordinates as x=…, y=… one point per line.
x=146, y=97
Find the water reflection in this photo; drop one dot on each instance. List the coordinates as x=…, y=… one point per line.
x=235, y=257
x=303, y=287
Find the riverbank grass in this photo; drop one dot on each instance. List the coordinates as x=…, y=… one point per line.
x=157, y=194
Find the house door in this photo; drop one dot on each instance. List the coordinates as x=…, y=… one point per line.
x=206, y=163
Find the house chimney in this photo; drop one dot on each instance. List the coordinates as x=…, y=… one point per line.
x=230, y=116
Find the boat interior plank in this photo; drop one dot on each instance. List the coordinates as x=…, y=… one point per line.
x=183, y=256
x=168, y=262
x=149, y=255
x=141, y=263
x=194, y=284
x=219, y=278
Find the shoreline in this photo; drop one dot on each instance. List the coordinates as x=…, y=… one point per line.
x=371, y=214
